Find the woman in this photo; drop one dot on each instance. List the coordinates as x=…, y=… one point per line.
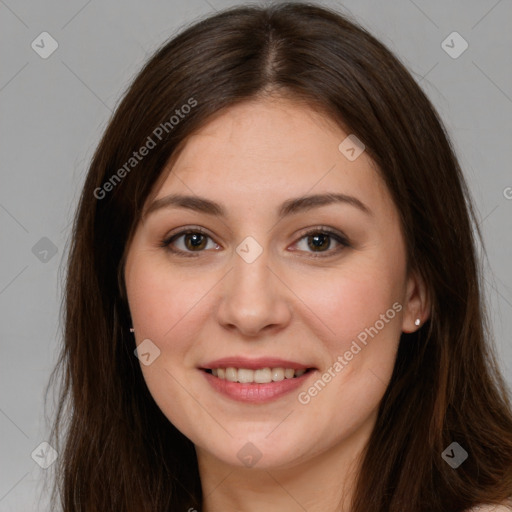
x=273, y=298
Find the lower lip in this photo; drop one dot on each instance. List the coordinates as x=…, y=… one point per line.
x=255, y=393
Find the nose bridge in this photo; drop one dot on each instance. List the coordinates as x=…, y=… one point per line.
x=252, y=275
x=250, y=279
x=252, y=296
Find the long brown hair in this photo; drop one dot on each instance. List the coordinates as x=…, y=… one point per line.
x=120, y=452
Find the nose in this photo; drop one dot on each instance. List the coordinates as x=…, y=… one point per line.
x=254, y=299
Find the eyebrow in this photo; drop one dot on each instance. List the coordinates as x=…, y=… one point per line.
x=289, y=207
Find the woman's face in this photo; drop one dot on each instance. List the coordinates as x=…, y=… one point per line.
x=269, y=337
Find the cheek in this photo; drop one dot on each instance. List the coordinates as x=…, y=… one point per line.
x=362, y=311
x=164, y=306
x=161, y=300
x=350, y=302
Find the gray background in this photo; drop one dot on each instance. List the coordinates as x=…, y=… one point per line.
x=54, y=111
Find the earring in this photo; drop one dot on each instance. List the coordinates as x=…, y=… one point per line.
x=417, y=321
x=132, y=329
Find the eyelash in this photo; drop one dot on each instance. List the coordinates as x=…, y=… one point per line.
x=166, y=243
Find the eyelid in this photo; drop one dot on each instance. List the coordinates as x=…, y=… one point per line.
x=169, y=239
x=338, y=236
x=185, y=230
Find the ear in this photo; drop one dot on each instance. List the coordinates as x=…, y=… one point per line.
x=416, y=303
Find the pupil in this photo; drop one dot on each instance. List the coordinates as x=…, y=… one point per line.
x=196, y=239
x=317, y=241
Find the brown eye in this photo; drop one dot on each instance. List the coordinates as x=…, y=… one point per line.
x=321, y=240
x=190, y=241
x=195, y=241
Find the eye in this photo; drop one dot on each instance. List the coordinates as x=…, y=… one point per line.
x=194, y=240
x=320, y=240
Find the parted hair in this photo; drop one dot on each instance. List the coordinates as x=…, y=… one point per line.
x=117, y=450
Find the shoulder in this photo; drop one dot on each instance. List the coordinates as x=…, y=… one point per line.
x=505, y=507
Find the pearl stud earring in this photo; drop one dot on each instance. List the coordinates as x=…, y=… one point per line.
x=417, y=321
x=132, y=329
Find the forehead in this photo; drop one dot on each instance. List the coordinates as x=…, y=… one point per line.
x=272, y=131
x=268, y=150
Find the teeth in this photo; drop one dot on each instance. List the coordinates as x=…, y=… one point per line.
x=245, y=375
x=232, y=374
x=277, y=374
x=260, y=376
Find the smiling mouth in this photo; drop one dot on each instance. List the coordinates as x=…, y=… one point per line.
x=258, y=376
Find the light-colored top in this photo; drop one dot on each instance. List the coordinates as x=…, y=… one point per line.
x=492, y=508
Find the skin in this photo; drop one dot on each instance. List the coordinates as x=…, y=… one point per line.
x=288, y=304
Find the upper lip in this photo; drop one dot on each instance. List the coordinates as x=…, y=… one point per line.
x=254, y=363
